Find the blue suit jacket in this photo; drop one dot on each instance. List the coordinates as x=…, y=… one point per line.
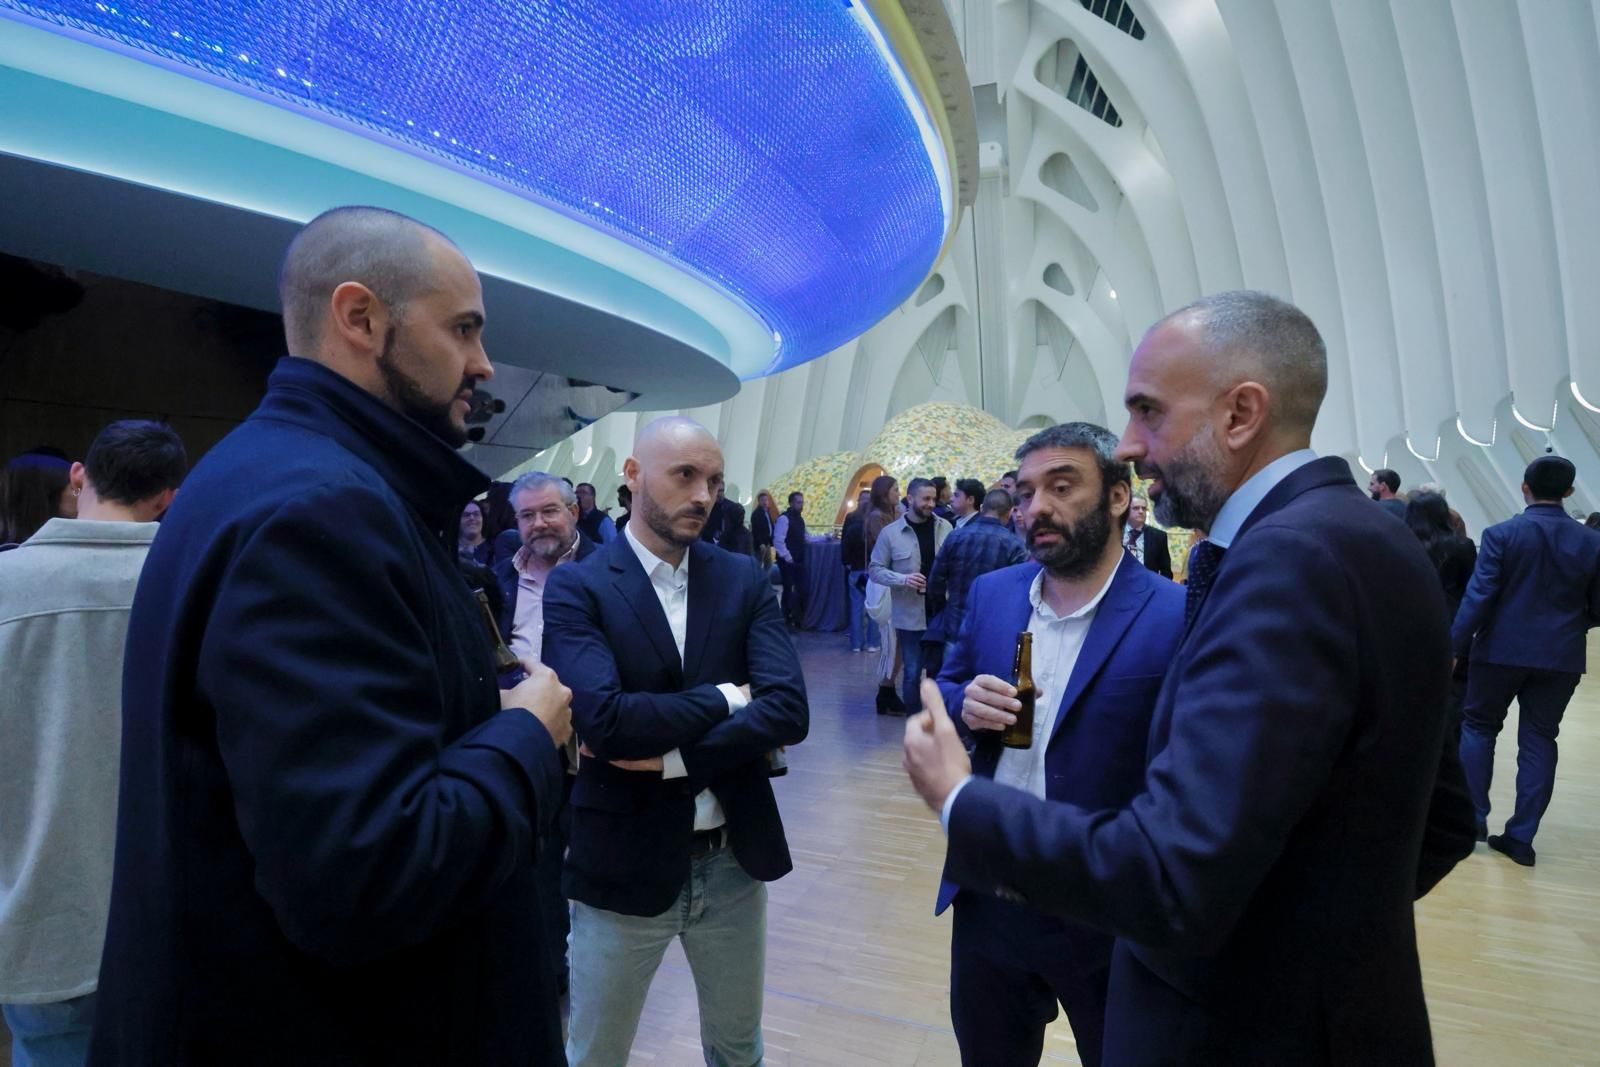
x=1096, y=753
x=1292, y=808
x=505, y=573
x=607, y=638
x=326, y=837
x=1534, y=593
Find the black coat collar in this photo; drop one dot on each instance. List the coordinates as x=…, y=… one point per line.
x=1329, y=470
x=427, y=473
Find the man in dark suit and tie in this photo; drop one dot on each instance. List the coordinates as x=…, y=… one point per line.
x=1298, y=794
x=1103, y=630
x=683, y=681
x=1534, y=594
x=1148, y=544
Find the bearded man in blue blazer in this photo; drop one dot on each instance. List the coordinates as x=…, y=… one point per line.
x=1298, y=793
x=1104, y=629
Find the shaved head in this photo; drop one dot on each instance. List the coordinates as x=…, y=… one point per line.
x=674, y=473
x=1251, y=336
x=390, y=254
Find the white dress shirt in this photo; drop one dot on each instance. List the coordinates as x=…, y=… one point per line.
x=1133, y=541
x=1057, y=642
x=671, y=585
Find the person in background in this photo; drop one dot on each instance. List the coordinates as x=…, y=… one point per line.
x=853, y=554
x=625, y=503
x=34, y=488
x=982, y=546
x=789, y=538
x=330, y=815
x=1593, y=521
x=735, y=536
x=712, y=532
x=1453, y=557
x=762, y=521
x=942, y=496
x=1384, y=485
x=902, y=559
x=966, y=502
x=1147, y=544
x=64, y=599
x=883, y=508
x=1524, y=618
x=1008, y=482
x=471, y=544
x=595, y=524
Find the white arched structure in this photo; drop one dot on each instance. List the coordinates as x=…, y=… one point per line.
x=1419, y=177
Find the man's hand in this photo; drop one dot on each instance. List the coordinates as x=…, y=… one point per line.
x=935, y=758
x=651, y=764
x=989, y=703
x=542, y=694
x=918, y=581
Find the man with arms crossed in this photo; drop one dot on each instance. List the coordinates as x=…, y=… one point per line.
x=1261, y=883
x=683, y=680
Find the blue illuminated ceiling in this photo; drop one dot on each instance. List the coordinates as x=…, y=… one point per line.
x=770, y=148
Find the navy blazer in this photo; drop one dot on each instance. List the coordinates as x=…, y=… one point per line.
x=1299, y=795
x=505, y=572
x=326, y=837
x=1534, y=593
x=607, y=638
x=1095, y=755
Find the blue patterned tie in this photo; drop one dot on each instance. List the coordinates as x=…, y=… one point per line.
x=1203, y=563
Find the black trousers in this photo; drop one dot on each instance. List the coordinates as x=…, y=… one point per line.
x=794, y=592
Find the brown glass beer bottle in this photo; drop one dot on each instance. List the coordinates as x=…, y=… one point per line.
x=1020, y=733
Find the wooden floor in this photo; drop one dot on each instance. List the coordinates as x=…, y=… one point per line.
x=858, y=967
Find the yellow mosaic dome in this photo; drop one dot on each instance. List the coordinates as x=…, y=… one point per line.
x=949, y=439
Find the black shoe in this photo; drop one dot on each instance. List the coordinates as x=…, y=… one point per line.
x=1483, y=832
x=895, y=705
x=1517, y=851
x=883, y=704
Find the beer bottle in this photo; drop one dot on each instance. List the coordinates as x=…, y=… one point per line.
x=1020, y=733
x=508, y=668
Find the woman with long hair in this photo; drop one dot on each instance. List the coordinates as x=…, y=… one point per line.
x=34, y=488
x=881, y=511
x=762, y=520
x=1454, y=558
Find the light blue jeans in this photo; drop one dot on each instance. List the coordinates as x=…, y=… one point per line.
x=50, y=1035
x=721, y=915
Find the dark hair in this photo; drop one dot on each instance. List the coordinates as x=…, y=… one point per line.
x=1385, y=476
x=134, y=460
x=1549, y=477
x=796, y=493
x=1010, y=474
x=998, y=501
x=624, y=495
x=939, y=482
x=880, y=492
x=30, y=494
x=973, y=488
x=1593, y=521
x=1429, y=518
x=583, y=485
x=1085, y=435
x=916, y=485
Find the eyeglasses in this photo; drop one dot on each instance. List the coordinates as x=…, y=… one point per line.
x=548, y=514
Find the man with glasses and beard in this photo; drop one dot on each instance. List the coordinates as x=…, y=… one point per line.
x=1104, y=629
x=329, y=813
x=1299, y=794
x=683, y=681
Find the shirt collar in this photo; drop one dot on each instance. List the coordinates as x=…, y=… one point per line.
x=93, y=531
x=1046, y=612
x=1249, y=496
x=651, y=562
x=520, y=560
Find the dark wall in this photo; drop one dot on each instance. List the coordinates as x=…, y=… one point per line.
x=80, y=350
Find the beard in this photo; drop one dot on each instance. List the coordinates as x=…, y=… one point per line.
x=549, y=546
x=1192, y=490
x=1081, y=544
x=660, y=520
x=415, y=403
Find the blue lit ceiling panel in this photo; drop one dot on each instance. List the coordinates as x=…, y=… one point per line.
x=768, y=147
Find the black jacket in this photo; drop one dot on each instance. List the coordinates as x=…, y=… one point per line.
x=327, y=829
x=505, y=573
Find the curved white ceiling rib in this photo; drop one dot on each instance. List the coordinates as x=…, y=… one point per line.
x=1419, y=177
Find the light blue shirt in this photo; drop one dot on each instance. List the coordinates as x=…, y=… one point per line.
x=1246, y=498
x=1224, y=529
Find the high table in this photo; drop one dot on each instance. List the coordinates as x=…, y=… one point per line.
x=827, y=607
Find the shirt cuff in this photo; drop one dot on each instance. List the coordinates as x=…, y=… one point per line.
x=672, y=766
x=950, y=802
x=732, y=694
